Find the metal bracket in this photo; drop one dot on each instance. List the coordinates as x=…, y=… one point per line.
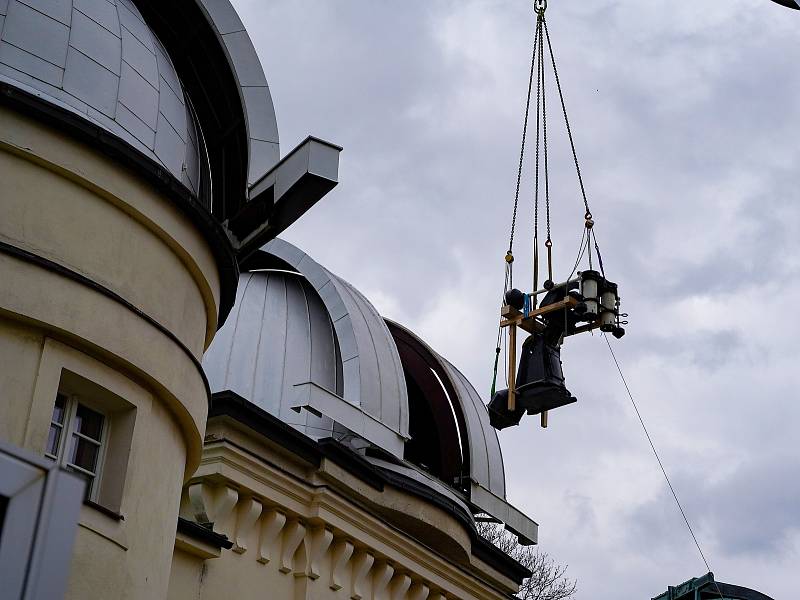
x=282, y=195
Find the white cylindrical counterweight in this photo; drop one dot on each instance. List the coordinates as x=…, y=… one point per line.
x=608, y=306
x=590, y=290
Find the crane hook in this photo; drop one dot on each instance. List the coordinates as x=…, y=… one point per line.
x=539, y=6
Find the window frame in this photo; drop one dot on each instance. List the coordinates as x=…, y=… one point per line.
x=68, y=430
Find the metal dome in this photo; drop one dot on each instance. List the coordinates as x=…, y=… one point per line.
x=278, y=335
x=324, y=341
x=259, y=112
x=307, y=347
x=483, y=455
x=486, y=457
x=100, y=59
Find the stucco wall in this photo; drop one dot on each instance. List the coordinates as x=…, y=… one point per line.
x=186, y=577
x=133, y=323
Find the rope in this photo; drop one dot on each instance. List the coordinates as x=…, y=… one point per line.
x=582, y=250
x=599, y=257
x=549, y=242
x=500, y=332
x=536, y=183
x=566, y=121
x=660, y=464
x=522, y=148
x=589, y=250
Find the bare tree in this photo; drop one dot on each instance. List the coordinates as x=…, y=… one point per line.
x=549, y=580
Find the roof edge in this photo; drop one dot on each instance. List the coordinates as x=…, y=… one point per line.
x=230, y=404
x=254, y=92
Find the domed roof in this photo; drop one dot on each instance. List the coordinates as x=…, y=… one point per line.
x=103, y=61
x=278, y=335
x=324, y=341
x=484, y=456
x=479, y=445
x=310, y=349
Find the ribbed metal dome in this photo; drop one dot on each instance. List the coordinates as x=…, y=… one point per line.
x=310, y=349
x=305, y=343
x=278, y=335
x=483, y=453
x=480, y=444
x=100, y=59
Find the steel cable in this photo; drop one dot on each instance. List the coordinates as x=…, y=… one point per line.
x=658, y=458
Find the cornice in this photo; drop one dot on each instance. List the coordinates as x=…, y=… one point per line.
x=282, y=499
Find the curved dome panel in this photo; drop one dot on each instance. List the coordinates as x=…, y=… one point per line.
x=381, y=382
x=372, y=372
x=279, y=334
x=99, y=59
x=288, y=339
x=485, y=457
x=262, y=126
x=487, y=491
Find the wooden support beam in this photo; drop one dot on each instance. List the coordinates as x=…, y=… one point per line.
x=516, y=319
x=531, y=325
x=512, y=368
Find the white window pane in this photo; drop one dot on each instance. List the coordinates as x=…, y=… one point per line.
x=53, y=438
x=88, y=422
x=59, y=409
x=83, y=454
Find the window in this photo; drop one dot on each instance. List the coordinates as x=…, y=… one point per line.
x=77, y=440
x=86, y=422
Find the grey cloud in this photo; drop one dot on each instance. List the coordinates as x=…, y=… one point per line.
x=751, y=511
x=686, y=121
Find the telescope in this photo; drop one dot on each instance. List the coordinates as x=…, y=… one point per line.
x=587, y=302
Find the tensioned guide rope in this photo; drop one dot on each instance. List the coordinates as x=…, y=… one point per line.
x=658, y=458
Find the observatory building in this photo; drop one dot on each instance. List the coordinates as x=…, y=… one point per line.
x=707, y=588
x=194, y=408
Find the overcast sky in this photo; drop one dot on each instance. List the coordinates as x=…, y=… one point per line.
x=687, y=118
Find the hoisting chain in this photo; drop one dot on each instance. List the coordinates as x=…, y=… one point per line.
x=588, y=218
x=549, y=241
x=589, y=237
x=542, y=166
x=542, y=32
x=538, y=144
x=509, y=258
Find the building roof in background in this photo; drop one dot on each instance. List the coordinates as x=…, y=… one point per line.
x=707, y=588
